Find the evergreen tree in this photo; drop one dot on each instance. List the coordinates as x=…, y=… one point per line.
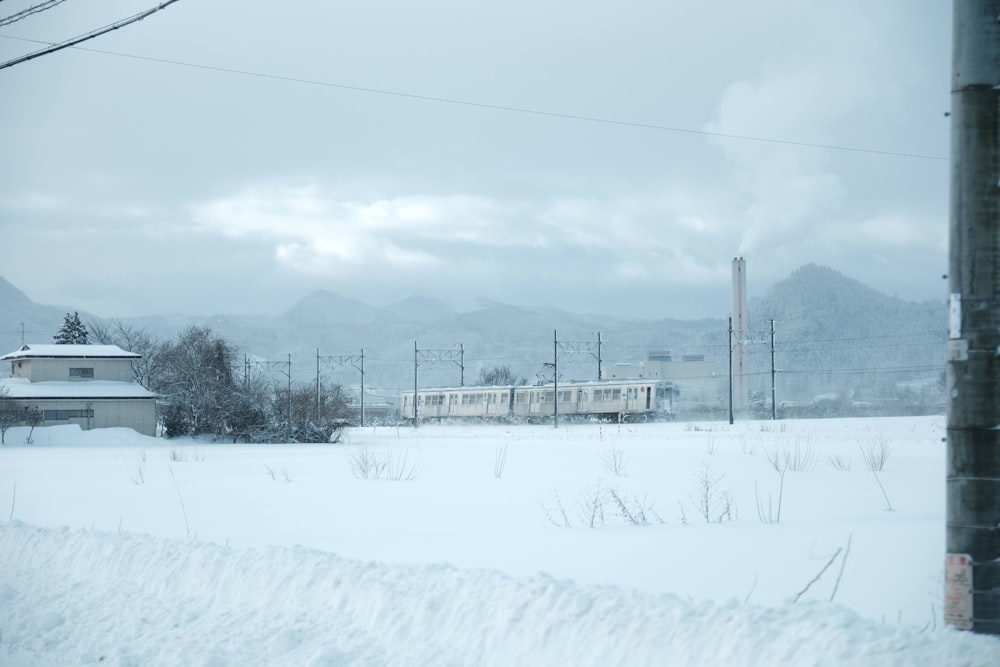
x=73, y=331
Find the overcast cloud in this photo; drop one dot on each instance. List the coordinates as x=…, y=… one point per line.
x=130, y=186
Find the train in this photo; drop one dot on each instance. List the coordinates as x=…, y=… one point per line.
x=616, y=400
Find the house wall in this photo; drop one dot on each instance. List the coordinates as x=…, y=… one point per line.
x=137, y=414
x=41, y=369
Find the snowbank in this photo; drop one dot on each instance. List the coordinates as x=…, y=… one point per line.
x=85, y=597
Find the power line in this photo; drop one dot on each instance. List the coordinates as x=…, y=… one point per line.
x=25, y=13
x=86, y=36
x=855, y=371
x=496, y=107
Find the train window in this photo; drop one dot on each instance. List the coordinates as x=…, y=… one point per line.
x=519, y=397
x=503, y=398
x=616, y=394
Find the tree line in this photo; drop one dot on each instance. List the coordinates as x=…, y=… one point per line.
x=205, y=387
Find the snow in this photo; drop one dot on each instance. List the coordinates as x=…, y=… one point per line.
x=70, y=350
x=128, y=550
x=25, y=388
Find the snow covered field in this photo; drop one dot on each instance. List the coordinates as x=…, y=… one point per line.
x=497, y=545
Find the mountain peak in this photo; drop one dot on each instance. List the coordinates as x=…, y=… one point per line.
x=324, y=305
x=11, y=296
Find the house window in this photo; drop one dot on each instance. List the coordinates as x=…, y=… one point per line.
x=81, y=373
x=62, y=415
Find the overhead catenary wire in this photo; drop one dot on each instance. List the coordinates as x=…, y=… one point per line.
x=87, y=36
x=25, y=13
x=479, y=105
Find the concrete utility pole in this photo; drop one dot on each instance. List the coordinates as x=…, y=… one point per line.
x=598, y=356
x=773, y=411
x=972, y=565
x=555, y=378
x=339, y=361
x=415, y=365
x=730, y=370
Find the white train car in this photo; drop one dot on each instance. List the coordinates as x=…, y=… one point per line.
x=485, y=403
x=621, y=400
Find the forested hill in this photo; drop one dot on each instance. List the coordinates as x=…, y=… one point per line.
x=834, y=334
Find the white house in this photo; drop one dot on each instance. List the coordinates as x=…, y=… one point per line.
x=89, y=385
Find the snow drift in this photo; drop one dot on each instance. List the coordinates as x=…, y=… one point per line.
x=86, y=597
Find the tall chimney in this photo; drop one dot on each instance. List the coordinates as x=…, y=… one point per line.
x=740, y=328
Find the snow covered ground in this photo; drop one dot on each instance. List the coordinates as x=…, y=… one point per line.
x=497, y=545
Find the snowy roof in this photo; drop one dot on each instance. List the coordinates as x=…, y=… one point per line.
x=22, y=388
x=72, y=351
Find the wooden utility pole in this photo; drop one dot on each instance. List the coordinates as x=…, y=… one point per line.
x=972, y=565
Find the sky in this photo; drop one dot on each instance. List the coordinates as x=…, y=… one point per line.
x=232, y=158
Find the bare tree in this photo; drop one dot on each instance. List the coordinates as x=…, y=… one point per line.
x=499, y=375
x=131, y=339
x=33, y=416
x=308, y=425
x=248, y=416
x=195, y=377
x=8, y=413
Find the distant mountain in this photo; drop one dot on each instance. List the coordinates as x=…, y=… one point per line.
x=18, y=313
x=11, y=297
x=419, y=309
x=833, y=335
x=324, y=306
x=818, y=298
